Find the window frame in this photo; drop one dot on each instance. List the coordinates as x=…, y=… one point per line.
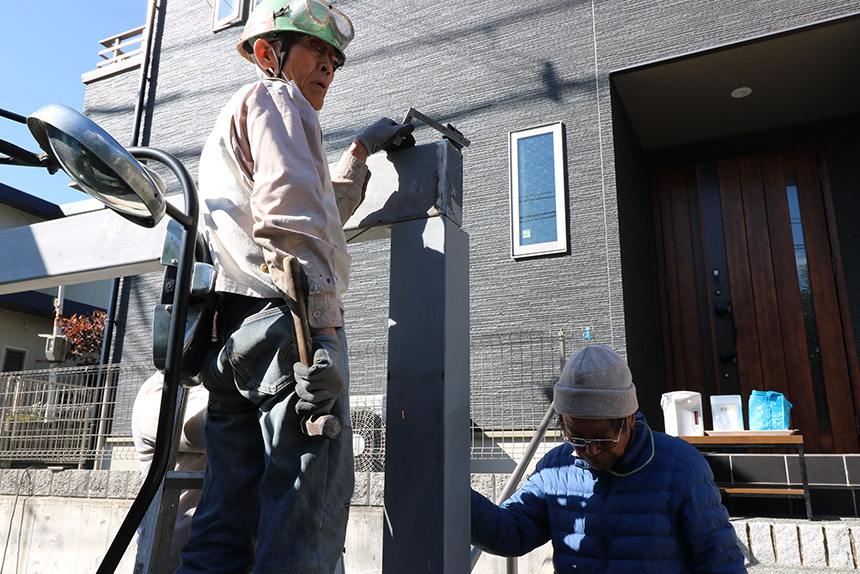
x=226, y=21
x=6, y=350
x=560, y=244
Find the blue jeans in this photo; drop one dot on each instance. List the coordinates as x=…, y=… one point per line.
x=274, y=500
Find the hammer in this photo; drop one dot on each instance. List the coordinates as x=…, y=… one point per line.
x=327, y=426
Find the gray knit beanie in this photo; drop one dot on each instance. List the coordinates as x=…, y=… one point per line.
x=595, y=384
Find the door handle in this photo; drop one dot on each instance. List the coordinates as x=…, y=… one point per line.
x=723, y=309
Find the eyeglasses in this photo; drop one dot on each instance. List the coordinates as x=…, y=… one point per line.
x=322, y=48
x=600, y=443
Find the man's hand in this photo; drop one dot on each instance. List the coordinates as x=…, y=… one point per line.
x=381, y=134
x=319, y=385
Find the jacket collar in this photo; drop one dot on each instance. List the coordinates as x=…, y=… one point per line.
x=640, y=450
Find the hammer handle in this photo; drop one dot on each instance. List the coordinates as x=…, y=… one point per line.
x=300, y=313
x=327, y=426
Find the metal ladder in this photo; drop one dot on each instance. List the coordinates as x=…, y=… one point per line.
x=156, y=532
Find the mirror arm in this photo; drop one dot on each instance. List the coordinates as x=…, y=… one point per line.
x=9, y=115
x=20, y=156
x=180, y=216
x=187, y=218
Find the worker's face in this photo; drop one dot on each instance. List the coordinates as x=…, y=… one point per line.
x=600, y=455
x=310, y=64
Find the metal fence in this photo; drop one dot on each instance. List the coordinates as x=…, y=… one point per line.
x=512, y=376
x=60, y=416
x=65, y=416
x=368, y=376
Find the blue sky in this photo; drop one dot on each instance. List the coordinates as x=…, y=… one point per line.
x=45, y=47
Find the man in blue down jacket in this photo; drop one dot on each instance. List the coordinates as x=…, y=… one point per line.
x=618, y=497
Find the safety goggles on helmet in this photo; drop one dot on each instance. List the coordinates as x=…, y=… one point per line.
x=273, y=18
x=314, y=15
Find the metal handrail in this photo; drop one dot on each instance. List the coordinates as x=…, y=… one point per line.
x=121, y=52
x=116, y=47
x=515, y=478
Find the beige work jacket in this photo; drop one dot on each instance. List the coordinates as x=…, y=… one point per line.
x=266, y=194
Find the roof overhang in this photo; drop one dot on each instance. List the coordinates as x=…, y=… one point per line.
x=796, y=76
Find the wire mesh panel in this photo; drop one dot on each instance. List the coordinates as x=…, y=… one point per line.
x=368, y=373
x=512, y=377
x=58, y=416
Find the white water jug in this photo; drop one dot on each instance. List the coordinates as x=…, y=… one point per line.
x=682, y=413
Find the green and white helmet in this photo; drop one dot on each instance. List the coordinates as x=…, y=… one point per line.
x=312, y=17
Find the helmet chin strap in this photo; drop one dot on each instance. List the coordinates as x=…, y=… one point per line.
x=280, y=74
x=279, y=56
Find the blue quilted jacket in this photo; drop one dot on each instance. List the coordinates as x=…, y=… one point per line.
x=664, y=516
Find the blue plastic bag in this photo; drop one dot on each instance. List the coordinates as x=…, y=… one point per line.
x=769, y=410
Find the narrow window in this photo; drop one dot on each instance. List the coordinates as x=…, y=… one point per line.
x=225, y=13
x=807, y=302
x=13, y=359
x=538, y=206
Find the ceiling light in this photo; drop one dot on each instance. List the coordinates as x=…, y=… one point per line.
x=741, y=92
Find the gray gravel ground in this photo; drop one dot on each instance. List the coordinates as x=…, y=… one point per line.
x=771, y=569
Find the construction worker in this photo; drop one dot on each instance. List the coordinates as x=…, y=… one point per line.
x=617, y=497
x=274, y=499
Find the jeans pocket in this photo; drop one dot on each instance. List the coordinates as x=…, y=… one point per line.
x=262, y=352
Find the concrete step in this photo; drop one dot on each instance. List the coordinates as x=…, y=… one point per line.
x=804, y=545
x=787, y=546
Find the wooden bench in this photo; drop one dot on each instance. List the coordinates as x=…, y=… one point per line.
x=754, y=439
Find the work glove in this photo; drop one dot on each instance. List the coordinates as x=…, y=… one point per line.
x=319, y=385
x=386, y=134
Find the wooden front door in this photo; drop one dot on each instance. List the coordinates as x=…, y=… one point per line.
x=753, y=294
